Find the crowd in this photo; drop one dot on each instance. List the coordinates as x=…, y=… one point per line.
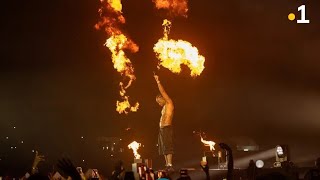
x=66, y=170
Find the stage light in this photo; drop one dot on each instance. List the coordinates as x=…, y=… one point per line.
x=32, y=150
x=14, y=127
x=247, y=148
x=279, y=150
x=82, y=137
x=262, y=155
x=21, y=142
x=259, y=164
x=82, y=160
x=282, y=155
x=7, y=137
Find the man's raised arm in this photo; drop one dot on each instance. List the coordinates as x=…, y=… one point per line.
x=162, y=91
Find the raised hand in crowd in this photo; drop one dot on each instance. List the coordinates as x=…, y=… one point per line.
x=37, y=159
x=67, y=167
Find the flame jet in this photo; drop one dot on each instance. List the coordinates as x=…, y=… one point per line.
x=111, y=18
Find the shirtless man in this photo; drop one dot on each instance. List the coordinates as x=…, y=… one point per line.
x=165, y=138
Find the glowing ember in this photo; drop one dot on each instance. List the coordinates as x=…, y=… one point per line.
x=208, y=143
x=111, y=17
x=135, y=146
x=172, y=54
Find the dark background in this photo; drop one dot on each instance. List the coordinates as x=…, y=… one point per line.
x=260, y=84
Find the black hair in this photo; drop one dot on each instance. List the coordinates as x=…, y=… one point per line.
x=159, y=96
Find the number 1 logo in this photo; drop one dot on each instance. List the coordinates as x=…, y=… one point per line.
x=303, y=19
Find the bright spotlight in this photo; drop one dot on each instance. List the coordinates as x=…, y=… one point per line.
x=279, y=151
x=259, y=164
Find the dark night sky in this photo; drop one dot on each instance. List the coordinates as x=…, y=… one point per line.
x=260, y=81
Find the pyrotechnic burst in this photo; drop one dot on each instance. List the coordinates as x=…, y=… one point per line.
x=111, y=17
x=135, y=146
x=173, y=53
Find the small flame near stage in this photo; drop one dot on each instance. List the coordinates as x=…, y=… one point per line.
x=135, y=146
x=211, y=144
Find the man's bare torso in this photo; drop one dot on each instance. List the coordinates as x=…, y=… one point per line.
x=166, y=116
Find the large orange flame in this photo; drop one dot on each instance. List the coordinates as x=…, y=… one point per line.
x=208, y=143
x=111, y=17
x=135, y=146
x=172, y=54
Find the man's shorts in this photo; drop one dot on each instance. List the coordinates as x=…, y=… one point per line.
x=165, y=140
